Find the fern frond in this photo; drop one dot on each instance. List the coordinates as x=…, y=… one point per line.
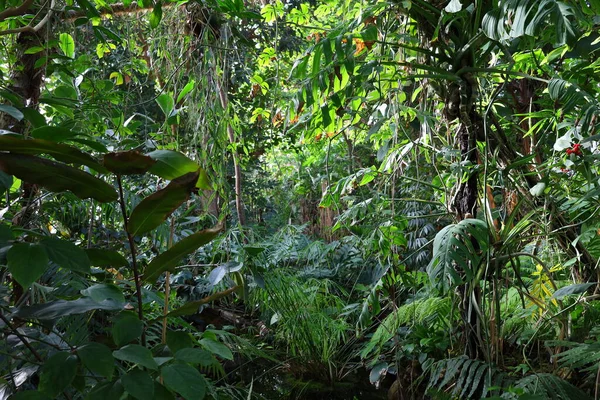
x=465, y=378
x=551, y=387
x=412, y=313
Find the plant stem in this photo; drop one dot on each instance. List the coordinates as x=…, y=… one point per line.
x=21, y=338
x=167, y=287
x=136, y=272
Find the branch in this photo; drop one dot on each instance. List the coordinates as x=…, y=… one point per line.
x=16, y=11
x=29, y=28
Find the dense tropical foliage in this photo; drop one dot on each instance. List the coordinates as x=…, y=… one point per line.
x=284, y=199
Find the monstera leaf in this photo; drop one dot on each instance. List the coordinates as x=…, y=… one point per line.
x=454, y=253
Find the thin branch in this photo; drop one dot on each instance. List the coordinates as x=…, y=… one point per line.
x=16, y=11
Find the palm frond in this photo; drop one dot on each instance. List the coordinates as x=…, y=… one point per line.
x=551, y=387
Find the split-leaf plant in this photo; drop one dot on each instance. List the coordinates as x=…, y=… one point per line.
x=44, y=357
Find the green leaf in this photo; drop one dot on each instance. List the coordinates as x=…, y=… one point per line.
x=57, y=177
x=128, y=162
x=106, y=258
x=106, y=390
x=577, y=288
x=67, y=45
x=217, y=348
x=186, y=89
x=138, y=384
x=61, y=308
x=97, y=358
x=177, y=340
x=61, y=152
x=12, y=111
x=168, y=260
x=6, y=182
x=127, y=328
x=104, y=291
x=53, y=133
x=34, y=117
x=185, y=380
x=66, y=254
x=57, y=373
x=172, y=164
x=162, y=393
x=166, y=104
x=156, y=15
x=27, y=263
x=136, y=354
x=195, y=356
x=156, y=208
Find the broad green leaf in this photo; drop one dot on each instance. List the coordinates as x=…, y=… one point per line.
x=577, y=288
x=61, y=152
x=136, y=354
x=57, y=373
x=195, y=356
x=97, y=358
x=6, y=182
x=57, y=177
x=166, y=104
x=104, y=291
x=185, y=380
x=138, y=384
x=177, y=340
x=156, y=208
x=61, y=308
x=156, y=15
x=53, y=133
x=186, y=89
x=172, y=164
x=128, y=163
x=67, y=45
x=162, y=393
x=12, y=111
x=27, y=262
x=106, y=258
x=168, y=260
x=5, y=235
x=106, y=390
x=217, y=348
x=66, y=254
x=127, y=328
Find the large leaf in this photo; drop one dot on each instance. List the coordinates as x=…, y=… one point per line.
x=127, y=328
x=12, y=111
x=138, y=384
x=134, y=353
x=26, y=263
x=185, y=380
x=106, y=258
x=57, y=373
x=454, y=254
x=217, y=348
x=576, y=288
x=104, y=291
x=172, y=164
x=61, y=308
x=156, y=208
x=61, y=152
x=57, y=177
x=53, y=134
x=128, y=162
x=177, y=340
x=66, y=254
x=515, y=18
x=195, y=356
x=168, y=260
x=97, y=358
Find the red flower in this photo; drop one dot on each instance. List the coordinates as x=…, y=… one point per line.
x=576, y=149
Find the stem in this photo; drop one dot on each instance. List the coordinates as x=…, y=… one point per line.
x=21, y=338
x=167, y=287
x=136, y=272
